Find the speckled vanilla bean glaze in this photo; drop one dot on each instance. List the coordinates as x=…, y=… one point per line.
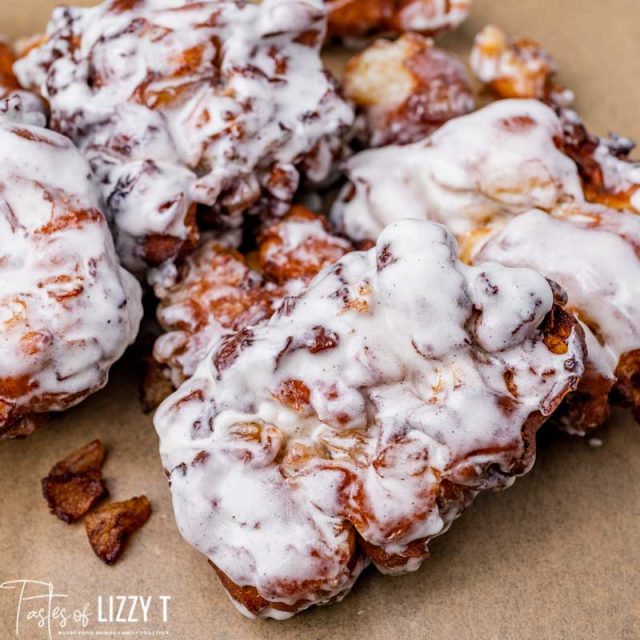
x=382, y=400
x=67, y=308
x=177, y=104
x=473, y=172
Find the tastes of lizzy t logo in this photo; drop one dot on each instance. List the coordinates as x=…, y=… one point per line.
x=41, y=612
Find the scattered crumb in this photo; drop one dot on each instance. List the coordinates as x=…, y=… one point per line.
x=109, y=527
x=75, y=485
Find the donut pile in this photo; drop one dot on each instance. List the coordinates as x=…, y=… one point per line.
x=178, y=106
x=335, y=389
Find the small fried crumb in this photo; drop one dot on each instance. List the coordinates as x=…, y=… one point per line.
x=109, y=527
x=75, y=485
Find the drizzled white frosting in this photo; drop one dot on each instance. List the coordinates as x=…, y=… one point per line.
x=473, y=171
x=594, y=254
x=67, y=308
x=398, y=371
x=218, y=103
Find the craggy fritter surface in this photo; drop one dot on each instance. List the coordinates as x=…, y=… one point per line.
x=406, y=89
x=219, y=108
x=479, y=173
x=522, y=68
x=216, y=291
x=7, y=77
x=594, y=253
x=517, y=67
x=356, y=19
x=627, y=388
x=610, y=176
x=363, y=417
x=293, y=251
x=67, y=309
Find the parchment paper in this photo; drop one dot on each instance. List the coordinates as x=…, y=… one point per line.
x=556, y=556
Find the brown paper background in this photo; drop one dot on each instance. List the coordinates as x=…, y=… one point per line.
x=556, y=556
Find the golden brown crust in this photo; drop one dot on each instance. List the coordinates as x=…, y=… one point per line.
x=156, y=384
x=214, y=269
x=249, y=597
x=516, y=67
x=282, y=260
x=589, y=407
x=158, y=248
x=109, y=527
x=406, y=89
x=7, y=77
x=358, y=19
x=21, y=427
x=218, y=290
x=590, y=153
x=557, y=329
x=627, y=387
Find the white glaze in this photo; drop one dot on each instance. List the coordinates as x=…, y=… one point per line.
x=193, y=310
x=433, y=16
x=520, y=67
x=214, y=296
x=22, y=107
x=17, y=105
x=593, y=253
x=237, y=126
x=410, y=392
x=405, y=89
x=474, y=171
x=67, y=308
x=619, y=176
